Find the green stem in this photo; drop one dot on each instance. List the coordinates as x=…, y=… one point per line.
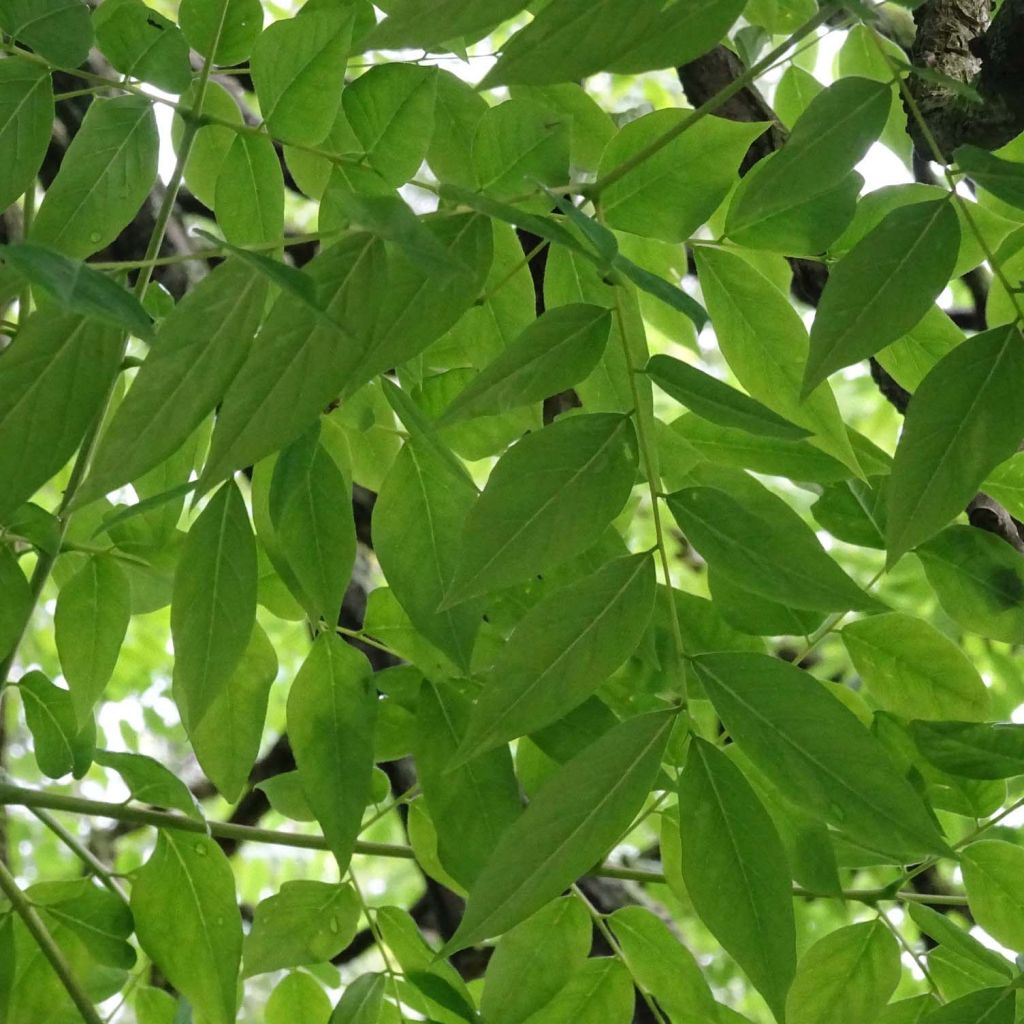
x=44, y=940
x=22, y=797
x=750, y=75
x=83, y=853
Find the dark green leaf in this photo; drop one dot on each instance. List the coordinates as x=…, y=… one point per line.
x=149, y=781
x=60, y=745
x=989, y=750
x=1003, y=178
x=142, y=43
x=223, y=30
x=26, y=120
x=59, y=30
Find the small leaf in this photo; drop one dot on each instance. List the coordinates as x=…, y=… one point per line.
x=149, y=781
x=883, y=287
x=789, y=566
x=90, y=621
x=297, y=996
x=561, y=651
x=913, y=670
x=332, y=710
x=845, y=978
x=361, y=1002
x=548, y=498
x=817, y=752
x=741, y=890
x=963, y=421
x=976, y=750
x=1003, y=178
x=992, y=870
x=554, y=353
x=26, y=121
x=579, y=813
x=304, y=923
x=715, y=401
x=213, y=608
x=187, y=921
x=60, y=745
x=142, y=43
x=107, y=172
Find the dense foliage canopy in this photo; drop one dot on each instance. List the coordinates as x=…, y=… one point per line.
x=509, y=512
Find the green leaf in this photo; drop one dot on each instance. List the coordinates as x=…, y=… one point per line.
x=361, y=1002
x=59, y=30
x=827, y=141
x=579, y=813
x=300, y=358
x=297, y=996
x=60, y=745
x=227, y=740
x=735, y=870
x=53, y=382
x=989, y=750
x=224, y=30
x=558, y=350
x=883, y=287
x=913, y=670
x=600, y=992
x=304, y=923
x=249, y=194
x=854, y=511
x=681, y=33
x=985, y=1006
x=1003, y=178
x=662, y=965
x=298, y=68
x=471, y=802
x=142, y=43
x=847, y=977
x=89, y=624
x=198, y=350
x=963, y=421
x=979, y=581
x=778, y=558
x=284, y=792
x=943, y=930
x=716, y=401
x=154, y=1005
x=17, y=604
x=548, y=498
x=817, y=752
x=311, y=508
x=77, y=288
x=765, y=344
x=187, y=921
x=991, y=871
x=332, y=710
x=26, y=120
x=107, y=172
x=213, y=607
x=417, y=527
x=561, y=651
x=534, y=961
x=391, y=111
x=551, y=48
x=149, y=781
x=94, y=915
x=671, y=194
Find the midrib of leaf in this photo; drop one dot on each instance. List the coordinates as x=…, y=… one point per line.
x=555, y=496
x=73, y=922
x=805, y=754
x=977, y=397
x=395, y=114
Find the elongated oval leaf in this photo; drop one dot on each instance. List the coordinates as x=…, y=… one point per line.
x=816, y=750
x=561, y=651
x=213, y=607
x=1003, y=178
x=548, y=498
x=90, y=621
x=964, y=419
x=554, y=353
x=26, y=120
x=107, y=172
x=570, y=824
x=249, y=198
x=332, y=710
x=883, y=287
x=715, y=401
x=149, y=781
x=847, y=977
x=187, y=921
x=914, y=670
x=409, y=23
x=60, y=745
x=991, y=871
x=977, y=750
x=361, y=1002
x=734, y=868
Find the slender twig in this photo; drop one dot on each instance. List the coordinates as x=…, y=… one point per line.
x=48, y=947
x=82, y=852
